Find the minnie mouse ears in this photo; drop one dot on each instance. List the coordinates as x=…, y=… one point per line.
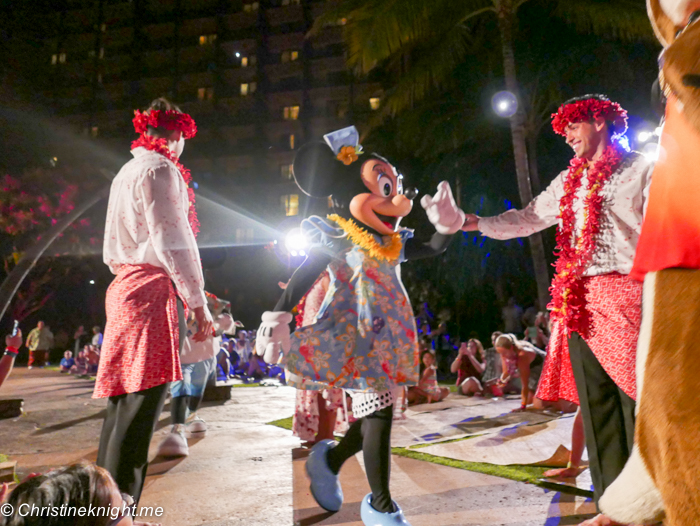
x=321, y=167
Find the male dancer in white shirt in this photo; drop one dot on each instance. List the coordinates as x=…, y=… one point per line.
x=596, y=307
x=150, y=245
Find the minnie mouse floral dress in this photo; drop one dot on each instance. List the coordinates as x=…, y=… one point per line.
x=364, y=338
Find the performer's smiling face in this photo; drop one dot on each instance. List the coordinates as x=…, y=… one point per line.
x=586, y=138
x=384, y=206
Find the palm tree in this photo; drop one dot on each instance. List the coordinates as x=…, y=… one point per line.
x=424, y=41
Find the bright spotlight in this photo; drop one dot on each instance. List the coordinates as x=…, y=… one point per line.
x=504, y=104
x=92, y=282
x=238, y=55
x=644, y=136
x=295, y=241
x=651, y=152
x=302, y=253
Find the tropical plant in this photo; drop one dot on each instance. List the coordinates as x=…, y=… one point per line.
x=424, y=41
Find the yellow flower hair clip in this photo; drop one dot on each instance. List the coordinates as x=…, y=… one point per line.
x=349, y=154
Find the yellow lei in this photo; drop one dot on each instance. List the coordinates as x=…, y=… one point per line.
x=359, y=236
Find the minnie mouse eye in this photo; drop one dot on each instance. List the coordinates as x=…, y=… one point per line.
x=386, y=185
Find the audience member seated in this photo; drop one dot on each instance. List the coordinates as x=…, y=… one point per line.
x=80, y=368
x=469, y=366
x=67, y=362
x=78, y=486
x=522, y=366
x=93, y=358
x=427, y=390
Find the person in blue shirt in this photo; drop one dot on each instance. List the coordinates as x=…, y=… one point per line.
x=67, y=362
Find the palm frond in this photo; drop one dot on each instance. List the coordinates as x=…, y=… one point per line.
x=622, y=19
x=380, y=29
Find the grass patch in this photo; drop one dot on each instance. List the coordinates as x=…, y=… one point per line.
x=246, y=385
x=451, y=385
x=527, y=474
x=4, y=458
x=284, y=423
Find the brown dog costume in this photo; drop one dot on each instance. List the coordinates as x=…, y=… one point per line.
x=662, y=475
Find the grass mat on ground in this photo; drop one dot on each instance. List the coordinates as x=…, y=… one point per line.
x=527, y=474
x=284, y=423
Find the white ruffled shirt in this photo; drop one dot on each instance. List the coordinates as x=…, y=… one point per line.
x=147, y=223
x=625, y=198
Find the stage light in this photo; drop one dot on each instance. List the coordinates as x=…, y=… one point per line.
x=644, y=136
x=295, y=241
x=651, y=152
x=238, y=55
x=92, y=282
x=302, y=253
x=504, y=104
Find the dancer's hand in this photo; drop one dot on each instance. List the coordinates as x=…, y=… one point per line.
x=442, y=210
x=471, y=223
x=204, y=324
x=273, y=336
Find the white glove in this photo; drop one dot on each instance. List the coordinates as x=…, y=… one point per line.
x=273, y=335
x=442, y=210
x=224, y=324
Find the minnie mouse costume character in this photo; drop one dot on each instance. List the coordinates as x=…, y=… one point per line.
x=364, y=337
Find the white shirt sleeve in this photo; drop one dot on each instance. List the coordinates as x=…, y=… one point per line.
x=541, y=213
x=166, y=204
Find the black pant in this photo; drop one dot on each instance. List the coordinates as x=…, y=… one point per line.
x=608, y=416
x=128, y=428
x=372, y=436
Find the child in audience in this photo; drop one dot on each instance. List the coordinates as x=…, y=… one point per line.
x=80, y=368
x=67, y=362
x=522, y=365
x=427, y=390
x=80, y=486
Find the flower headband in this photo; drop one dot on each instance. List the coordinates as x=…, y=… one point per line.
x=587, y=110
x=169, y=119
x=345, y=144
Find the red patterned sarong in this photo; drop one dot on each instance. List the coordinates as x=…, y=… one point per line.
x=141, y=339
x=614, y=304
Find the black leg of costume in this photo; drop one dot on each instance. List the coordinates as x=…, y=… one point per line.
x=178, y=409
x=128, y=429
x=195, y=401
x=372, y=436
x=126, y=434
x=608, y=416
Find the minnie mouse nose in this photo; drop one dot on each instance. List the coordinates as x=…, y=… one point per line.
x=411, y=193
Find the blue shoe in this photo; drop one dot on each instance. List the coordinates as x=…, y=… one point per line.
x=371, y=517
x=325, y=486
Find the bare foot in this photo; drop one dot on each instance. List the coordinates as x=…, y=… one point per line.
x=564, y=473
x=602, y=520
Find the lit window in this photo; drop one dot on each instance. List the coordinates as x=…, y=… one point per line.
x=248, y=8
x=290, y=203
x=287, y=171
x=54, y=59
x=205, y=93
x=291, y=141
x=207, y=39
x=62, y=58
x=244, y=62
x=294, y=55
x=244, y=89
x=202, y=40
x=291, y=113
x=374, y=103
x=94, y=131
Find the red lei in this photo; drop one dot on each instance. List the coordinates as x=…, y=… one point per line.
x=568, y=293
x=161, y=146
